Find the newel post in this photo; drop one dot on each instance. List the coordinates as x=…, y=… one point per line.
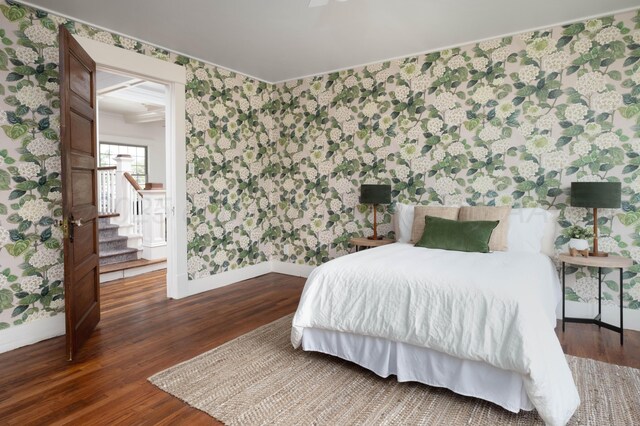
x=154, y=242
x=123, y=196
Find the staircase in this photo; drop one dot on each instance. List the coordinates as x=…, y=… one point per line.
x=113, y=247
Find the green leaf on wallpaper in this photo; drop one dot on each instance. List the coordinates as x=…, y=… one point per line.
x=13, y=13
x=24, y=70
x=18, y=248
x=50, y=134
x=573, y=130
x=5, y=180
x=526, y=186
x=16, y=194
x=19, y=310
x=629, y=168
x=629, y=111
x=615, y=75
x=574, y=29
x=30, y=299
x=6, y=298
x=471, y=124
x=4, y=60
x=629, y=218
x=48, y=23
x=15, y=131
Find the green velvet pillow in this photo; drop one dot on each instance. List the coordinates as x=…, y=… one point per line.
x=445, y=234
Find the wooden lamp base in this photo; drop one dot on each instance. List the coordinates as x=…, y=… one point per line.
x=596, y=252
x=375, y=225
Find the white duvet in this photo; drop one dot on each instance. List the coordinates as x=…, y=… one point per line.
x=493, y=307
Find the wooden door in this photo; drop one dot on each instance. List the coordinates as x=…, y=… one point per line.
x=79, y=191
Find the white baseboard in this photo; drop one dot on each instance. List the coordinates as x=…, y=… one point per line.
x=222, y=279
x=31, y=332
x=294, y=269
x=610, y=314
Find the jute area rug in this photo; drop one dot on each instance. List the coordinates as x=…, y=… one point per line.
x=259, y=379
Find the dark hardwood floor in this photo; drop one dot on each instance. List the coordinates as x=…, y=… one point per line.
x=142, y=332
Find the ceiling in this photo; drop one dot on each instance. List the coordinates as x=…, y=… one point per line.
x=138, y=101
x=278, y=40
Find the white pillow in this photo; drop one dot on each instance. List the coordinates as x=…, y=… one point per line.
x=403, y=222
x=530, y=230
x=551, y=232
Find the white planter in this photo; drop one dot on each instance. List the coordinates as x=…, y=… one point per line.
x=578, y=244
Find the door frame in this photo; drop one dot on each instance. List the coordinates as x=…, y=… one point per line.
x=111, y=58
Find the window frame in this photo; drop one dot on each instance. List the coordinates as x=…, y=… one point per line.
x=146, y=156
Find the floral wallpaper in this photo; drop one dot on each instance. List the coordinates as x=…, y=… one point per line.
x=509, y=121
x=228, y=122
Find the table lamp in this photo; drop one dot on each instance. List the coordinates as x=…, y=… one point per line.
x=375, y=194
x=596, y=195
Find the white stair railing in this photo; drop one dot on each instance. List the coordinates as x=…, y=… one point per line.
x=134, y=198
x=107, y=190
x=141, y=213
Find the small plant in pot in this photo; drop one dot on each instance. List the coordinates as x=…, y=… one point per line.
x=579, y=237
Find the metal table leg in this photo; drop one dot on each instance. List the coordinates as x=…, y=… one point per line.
x=621, y=323
x=599, y=317
x=563, y=295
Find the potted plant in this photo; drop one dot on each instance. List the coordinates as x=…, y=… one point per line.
x=579, y=236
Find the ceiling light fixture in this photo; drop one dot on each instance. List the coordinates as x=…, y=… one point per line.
x=317, y=3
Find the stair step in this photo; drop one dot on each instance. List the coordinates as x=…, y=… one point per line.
x=108, y=226
x=111, y=239
x=118, y=255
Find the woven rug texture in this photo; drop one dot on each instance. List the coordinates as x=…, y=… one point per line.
x=259, y=379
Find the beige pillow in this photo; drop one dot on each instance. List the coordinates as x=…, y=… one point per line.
x=419, y=212
x=498, y=241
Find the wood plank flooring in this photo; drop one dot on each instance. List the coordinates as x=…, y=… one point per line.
x=142, y=332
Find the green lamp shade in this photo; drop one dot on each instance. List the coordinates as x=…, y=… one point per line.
x=596, y=194
x=375, y=194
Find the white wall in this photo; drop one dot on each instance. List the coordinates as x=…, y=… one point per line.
x=113, y=128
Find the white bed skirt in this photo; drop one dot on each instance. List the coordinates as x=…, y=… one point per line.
x=416, y=364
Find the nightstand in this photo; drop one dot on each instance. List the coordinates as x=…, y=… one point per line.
x=363, y=243
x=613, y=262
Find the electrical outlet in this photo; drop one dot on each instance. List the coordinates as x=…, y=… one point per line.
x=287, y=249
x=192, y=168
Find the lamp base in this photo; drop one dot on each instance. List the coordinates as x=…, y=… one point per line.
x=371, y=238
x=598, y=254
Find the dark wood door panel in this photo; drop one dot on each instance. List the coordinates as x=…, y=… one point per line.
x=83, y=241
x=79, y=194
x=80, y=79
x=83, y=183
x=81, y=131
x=87, y=295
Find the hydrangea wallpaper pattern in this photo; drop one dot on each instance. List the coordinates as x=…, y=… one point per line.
x=228, y=139
x=509, y=121
x=277, y=168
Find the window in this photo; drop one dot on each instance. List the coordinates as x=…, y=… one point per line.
x=138, y=153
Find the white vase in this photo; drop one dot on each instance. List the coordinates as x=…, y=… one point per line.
x=578, y=244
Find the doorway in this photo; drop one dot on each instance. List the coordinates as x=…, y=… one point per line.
x=173, y=77
x=131, y=174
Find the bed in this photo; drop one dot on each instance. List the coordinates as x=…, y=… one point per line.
x=480, y=324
